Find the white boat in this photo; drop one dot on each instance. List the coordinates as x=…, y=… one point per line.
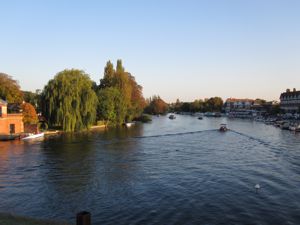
x=33, y=136
x=129, y=124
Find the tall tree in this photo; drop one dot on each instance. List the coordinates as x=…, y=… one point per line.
x=10, y=89
x=69, y=100
x=133, y=101
x=109, y=74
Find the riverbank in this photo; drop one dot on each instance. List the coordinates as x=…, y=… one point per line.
x=10, y=219
x=98, y=127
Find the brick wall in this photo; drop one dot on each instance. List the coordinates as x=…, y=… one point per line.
x=14, y=119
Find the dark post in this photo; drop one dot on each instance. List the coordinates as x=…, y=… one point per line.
x=83, y=218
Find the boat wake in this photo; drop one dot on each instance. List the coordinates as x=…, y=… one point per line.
x=174, y=134
x=265, y=143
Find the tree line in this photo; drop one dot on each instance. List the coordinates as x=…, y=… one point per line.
x=73, y=102
x=213, y=104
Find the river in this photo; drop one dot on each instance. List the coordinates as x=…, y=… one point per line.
x=180, y=171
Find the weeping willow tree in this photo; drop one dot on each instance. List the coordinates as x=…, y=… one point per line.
x=69, y=101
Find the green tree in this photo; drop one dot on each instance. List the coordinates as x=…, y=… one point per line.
x=109, y=76
x=214, y=104
x=260, y=101
x=69, y=101
x=133, y=102
x=111, y=107
x=10, y=89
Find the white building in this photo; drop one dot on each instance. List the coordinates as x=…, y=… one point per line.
x=233, y=104
x=290, y=101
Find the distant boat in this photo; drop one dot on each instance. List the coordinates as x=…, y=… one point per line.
x=297, y=128
x=33, y=136
x=285, y=126
x=172, y=117
x=223, y=127
x=130, y=124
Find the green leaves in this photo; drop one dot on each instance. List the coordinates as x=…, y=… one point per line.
x=10, y=89
x=69, y=101
x=120, y=97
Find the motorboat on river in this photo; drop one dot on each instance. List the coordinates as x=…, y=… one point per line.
x=32, y=136
x=223, y=127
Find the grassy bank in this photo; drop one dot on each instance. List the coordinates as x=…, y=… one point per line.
x=9, y=219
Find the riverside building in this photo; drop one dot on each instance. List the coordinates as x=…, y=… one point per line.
x=290, y=101
x=10, y=123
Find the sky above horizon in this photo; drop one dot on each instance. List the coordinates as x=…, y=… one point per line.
x=188, y=49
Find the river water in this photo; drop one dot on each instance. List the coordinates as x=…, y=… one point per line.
x=180, y=171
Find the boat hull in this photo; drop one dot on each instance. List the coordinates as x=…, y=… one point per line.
x=33, y=136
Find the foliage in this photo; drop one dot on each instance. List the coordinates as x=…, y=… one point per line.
x=10, y=89
x=144, y=118
x=260, y=101
x=69, y=101
x=214, y=104
x=100, y=123
x=111, y=107
x=34, y=98
x=129, y=97
x=29, y=114
x=156, y=106
x=275, y=109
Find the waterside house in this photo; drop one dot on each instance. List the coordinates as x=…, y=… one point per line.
x=234, y=104
x=243, y=108
x=11, y=124
x=290, y=101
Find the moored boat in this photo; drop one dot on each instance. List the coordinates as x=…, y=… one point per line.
x=33, y=136
x=172, y=117
x=285, y=126
x=297, y=129
x=129, y=124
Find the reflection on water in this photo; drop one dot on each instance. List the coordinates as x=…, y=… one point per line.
x=179, y=171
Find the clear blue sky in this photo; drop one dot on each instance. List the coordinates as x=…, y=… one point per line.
x=186, y=49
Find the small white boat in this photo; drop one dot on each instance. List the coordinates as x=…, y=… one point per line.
x=129, y=124
x=33, y=136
